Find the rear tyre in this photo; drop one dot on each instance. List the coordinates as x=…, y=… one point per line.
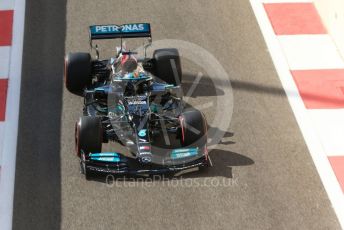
x=88, y=136
x=77, y=72
x=168, y=66
x=193, y=128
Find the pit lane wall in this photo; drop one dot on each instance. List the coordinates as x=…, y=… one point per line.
x=332, y=15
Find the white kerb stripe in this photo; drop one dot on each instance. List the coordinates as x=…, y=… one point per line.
x=2, y=132
x=305, y=52
x=329, y=126
x=6, y=4
x=4, y=61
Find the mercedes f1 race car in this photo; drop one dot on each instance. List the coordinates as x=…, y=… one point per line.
x=136, y=102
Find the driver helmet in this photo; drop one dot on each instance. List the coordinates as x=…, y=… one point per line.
x=128, y=63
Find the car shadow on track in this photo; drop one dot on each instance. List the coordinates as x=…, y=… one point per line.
x=208, y=87
x=223, y=162
x=200, y=87
x=37, y=196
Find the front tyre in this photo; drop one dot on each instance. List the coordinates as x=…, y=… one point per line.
x=88, y=136
x=193, y=128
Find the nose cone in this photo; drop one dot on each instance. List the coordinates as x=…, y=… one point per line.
x=145, y=155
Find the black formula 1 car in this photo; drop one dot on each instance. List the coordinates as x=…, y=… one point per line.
x=139, y=109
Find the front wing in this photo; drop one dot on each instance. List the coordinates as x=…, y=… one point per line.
x=115, y=163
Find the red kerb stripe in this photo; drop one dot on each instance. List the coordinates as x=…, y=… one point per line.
x=337, y=163
x=294, y=18
x=6, y=23
x=321, y=89
x=3, y=96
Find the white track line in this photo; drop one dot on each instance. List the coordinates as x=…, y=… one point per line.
x=12, y=116
x=321, y=162
x=2, y=134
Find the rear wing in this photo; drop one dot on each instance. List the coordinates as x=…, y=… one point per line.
x=132, y=30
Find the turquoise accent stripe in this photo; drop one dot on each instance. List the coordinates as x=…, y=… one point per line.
x=106, y=159
x=104, y=155
x=181, y=153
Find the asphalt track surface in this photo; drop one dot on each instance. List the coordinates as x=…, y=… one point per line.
x=274, y=182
